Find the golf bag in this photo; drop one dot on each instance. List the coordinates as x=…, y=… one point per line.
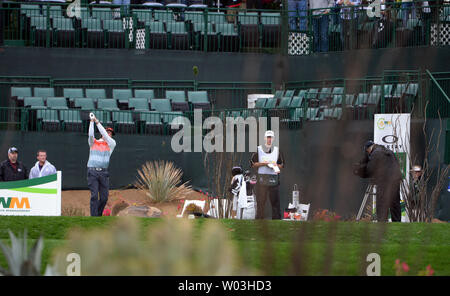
x=244, y=201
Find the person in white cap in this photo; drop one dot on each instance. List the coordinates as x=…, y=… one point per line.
x=42, y=167
x=12, y=169
x=268, y=160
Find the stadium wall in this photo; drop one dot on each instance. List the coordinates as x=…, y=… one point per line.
x=177, y=65
x=318, y=158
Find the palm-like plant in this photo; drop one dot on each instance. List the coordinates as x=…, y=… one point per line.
x=161, y=182
x=20, y=262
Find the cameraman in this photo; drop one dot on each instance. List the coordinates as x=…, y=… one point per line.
x=381, y=165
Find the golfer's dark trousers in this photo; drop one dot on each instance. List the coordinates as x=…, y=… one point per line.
x=388, y=200
x=262, y=192
x=98, y=183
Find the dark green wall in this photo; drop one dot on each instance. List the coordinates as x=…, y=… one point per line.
x=177, y=65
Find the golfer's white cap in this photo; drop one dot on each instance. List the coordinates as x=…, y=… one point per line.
x=417, y=168
x=269, y=134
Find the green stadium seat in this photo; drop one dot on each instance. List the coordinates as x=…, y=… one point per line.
x=55, y=11
x=122, y=94
x=361, y=99
x=48, y=119
x=399, y=90
x=84, y=103
x=296, y=102
x=138, y=104
x=289, y=93
x=312, y=113
x=349, y=98
x=72, y=93
x=337, y=90
x=194, y=16
x=161, y=105
x=30, y=10
x=260, y=103
x=199, y=99
x=57, y=103
x=271, y=103
x=248, y=18
x=302, y=93
x=21, y=92
x=278, y=94
x=170, y=117
x=332, y=113
x=270, y=18
x=177, y=100
x=325, y=94
x=144, y=93
x=95, y=93
x=34, y=102
x=18, y=93
x=152, y=121
x=284, y=102
x=217, y=18
x=143, y=15
x=116, y=33
x=107, y=104
x=92, y=25
x=164, y=16
x=103, y=116
x=44, y=92
x=70, y=120
x=176, y=95
x=102, y=13
x=337, y=100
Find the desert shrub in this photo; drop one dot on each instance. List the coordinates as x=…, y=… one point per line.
x=161, y=182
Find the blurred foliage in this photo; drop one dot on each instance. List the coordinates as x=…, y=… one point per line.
x=172, y=247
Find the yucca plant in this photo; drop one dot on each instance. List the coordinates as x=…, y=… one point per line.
x=161, y=182
x=20, y=261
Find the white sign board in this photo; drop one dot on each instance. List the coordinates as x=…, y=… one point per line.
x=393, y=132
x=33, y=197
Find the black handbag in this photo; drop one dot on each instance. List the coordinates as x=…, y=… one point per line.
x=268, y=180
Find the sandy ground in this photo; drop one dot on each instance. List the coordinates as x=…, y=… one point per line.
x=76, y=202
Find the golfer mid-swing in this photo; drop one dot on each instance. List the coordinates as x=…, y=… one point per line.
x=97, y=173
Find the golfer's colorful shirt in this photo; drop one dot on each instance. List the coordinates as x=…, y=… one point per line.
x=100, y=151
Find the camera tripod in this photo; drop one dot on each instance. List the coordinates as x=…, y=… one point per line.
x=371, y=191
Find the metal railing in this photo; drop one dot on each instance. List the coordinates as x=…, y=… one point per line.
x=238, y=30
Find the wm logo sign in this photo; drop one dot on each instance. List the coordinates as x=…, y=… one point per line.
x=14, y=203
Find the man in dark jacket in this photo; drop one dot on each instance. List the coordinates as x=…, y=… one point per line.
x=381, y=165
x=12, y=169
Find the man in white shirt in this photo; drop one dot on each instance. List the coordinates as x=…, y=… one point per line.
x=268, y=160
x=42, y=167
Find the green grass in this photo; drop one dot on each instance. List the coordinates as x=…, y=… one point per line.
x=285, y=248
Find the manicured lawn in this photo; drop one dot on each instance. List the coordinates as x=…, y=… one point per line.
x=286, y=248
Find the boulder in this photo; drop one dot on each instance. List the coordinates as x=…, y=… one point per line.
x=141, y=211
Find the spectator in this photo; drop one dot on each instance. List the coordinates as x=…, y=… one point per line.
x=124, y=6
x=408, y=7
x=320, y=22
x=42, y=167
x=349, y=23
x=381, y=165
x=254, y=4
x=297, y=9
x=12, y=169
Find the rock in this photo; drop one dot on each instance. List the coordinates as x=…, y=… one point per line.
x=140, y=211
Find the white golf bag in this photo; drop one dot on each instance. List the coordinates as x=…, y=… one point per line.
x=244, y=201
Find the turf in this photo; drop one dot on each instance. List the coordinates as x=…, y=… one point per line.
x=285, y=248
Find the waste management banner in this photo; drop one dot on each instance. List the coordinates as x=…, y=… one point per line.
x=33, y=197
x=393, y=132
